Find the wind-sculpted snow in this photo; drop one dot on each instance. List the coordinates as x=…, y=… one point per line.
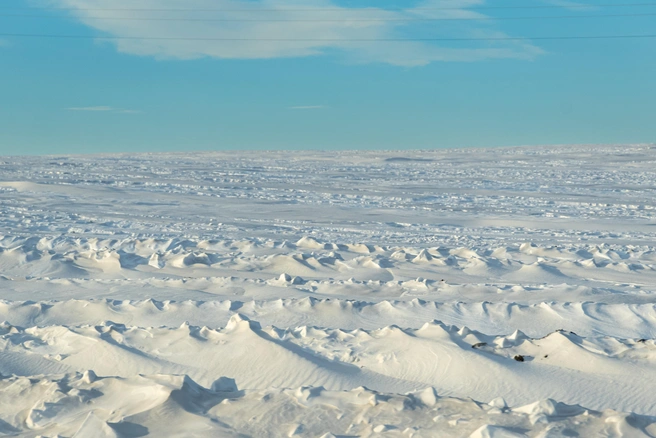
x=389, y=359
x=176, y=406
x=203, y=269
x=587, y=318
x=335, y=294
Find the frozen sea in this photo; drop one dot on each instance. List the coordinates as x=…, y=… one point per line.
x=472, y=292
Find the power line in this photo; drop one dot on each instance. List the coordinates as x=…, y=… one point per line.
x=355, y=20
x=582, y=37
x=472, y=8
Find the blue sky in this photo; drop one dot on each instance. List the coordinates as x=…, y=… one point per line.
x=320, y=74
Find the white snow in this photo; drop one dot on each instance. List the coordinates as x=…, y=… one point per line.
x=485, y=293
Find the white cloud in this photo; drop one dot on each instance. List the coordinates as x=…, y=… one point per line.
x=298, y=32
x=103, y=109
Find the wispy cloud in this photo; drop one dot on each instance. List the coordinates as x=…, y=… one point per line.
x=307, y=107
x=263, y=29
x=91, y=108
x=570, y=4
x=103, y=109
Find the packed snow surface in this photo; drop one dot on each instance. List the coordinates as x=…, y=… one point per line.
x=487, y=293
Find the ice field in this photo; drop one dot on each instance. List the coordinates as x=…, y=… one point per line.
x=449, y=293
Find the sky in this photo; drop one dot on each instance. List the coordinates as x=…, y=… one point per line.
x=92, y=76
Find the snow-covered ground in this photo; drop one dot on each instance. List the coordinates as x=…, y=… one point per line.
x=485, y=293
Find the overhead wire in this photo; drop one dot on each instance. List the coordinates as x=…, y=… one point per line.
x=395, y=19
x=350, y=9
x=354, y=20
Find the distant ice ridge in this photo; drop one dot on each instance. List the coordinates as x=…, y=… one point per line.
x=465, y=196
